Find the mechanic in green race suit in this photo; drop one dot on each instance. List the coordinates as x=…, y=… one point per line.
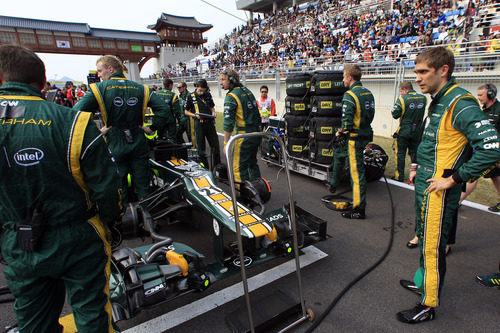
x=186, y=123
x=123, y=104
x=454, y=125
x=200, y=106
x=241, y=111
x=172, y=100
x=59, y=182
x=409, y=109
x=358, y=110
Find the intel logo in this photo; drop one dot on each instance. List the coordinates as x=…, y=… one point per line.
x=28, y=156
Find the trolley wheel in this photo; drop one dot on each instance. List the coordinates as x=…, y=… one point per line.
x=310, y=314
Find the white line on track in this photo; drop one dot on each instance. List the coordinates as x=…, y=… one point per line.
x=464, y=203
x=212, y=301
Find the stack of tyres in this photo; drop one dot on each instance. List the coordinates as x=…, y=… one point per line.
x=327, y=89
x=298, y=109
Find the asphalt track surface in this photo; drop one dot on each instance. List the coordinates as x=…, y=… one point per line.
x=371, y=305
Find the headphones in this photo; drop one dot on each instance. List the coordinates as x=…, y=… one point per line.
x=491, y=91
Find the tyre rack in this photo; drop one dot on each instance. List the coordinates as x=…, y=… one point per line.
x=296, y=164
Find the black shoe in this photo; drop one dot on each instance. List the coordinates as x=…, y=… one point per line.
x=410, y=286
x=418, y=314
x=491, y=281
x=411, y=245
x=355, y=213
x=495, y=209
x=331, y=188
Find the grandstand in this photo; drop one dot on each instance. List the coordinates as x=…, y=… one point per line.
x=380, y=36
x=380, y=33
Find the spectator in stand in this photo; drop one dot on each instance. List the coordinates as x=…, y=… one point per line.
x=267, y=107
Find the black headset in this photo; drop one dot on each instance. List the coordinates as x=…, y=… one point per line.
x=491, y=91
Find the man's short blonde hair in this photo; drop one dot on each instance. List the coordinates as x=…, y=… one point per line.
x=354, y=71
x=113, y=61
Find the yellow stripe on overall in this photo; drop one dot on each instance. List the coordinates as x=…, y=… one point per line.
x=101, y=231
x=100, y=102
x=450, y=145
x=75, y=149
x=401, y=100
x=353, y=167
x=240, y=122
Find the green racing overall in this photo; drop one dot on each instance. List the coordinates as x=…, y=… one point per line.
x=172, y=100
x=241, y=111
x=454, y=125
x=123, y=104
x=358, y=110
x=55, y=163
x=409, y=109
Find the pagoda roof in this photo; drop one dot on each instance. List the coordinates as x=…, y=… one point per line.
x=179, y=21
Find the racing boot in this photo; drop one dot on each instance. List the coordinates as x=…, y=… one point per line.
x=418, y=314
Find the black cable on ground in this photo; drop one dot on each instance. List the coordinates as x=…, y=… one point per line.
x=318, y=321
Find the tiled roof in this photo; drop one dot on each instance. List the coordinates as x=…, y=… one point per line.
x=26, y=23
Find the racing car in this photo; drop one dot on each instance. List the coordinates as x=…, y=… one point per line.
x=186, y=192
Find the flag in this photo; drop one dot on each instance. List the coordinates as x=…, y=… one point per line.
x=63, y=44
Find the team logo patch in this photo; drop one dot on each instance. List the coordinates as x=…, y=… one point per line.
x=420, y=105
x=118, y=101
x=250, y=105
x=247, y=261
x=132, y=101
x=28, y=156
x=412, y=106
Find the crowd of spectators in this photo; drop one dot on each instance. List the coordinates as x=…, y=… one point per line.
x=326, y=30
x=175, y=70
x=331, y=31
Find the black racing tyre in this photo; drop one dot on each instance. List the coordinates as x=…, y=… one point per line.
x=328, y=106
x=296, y=126
x=328, y=83
x=321, y=152
x=298, y=84
x=324, y=128
x=297, y=106
x=297, y=147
